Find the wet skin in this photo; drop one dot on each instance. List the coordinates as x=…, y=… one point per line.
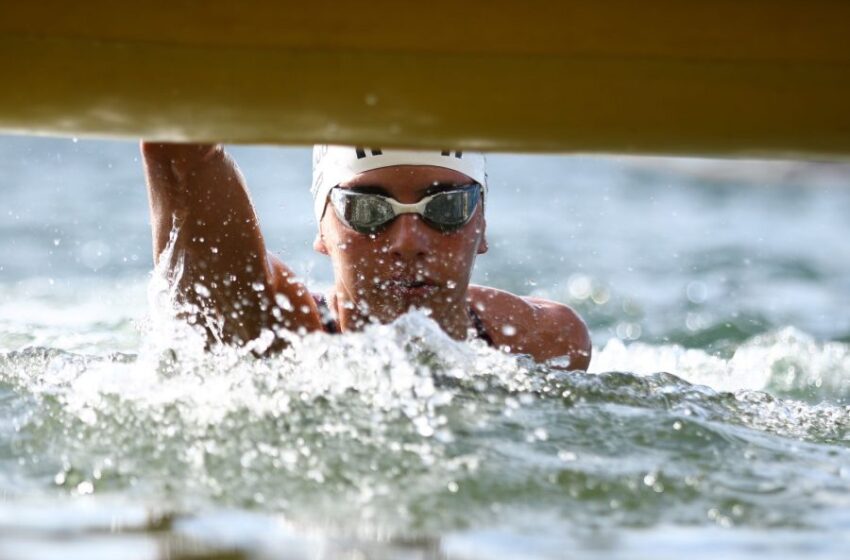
x=378, y=277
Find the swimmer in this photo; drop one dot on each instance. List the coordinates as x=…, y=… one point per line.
x=402, y=230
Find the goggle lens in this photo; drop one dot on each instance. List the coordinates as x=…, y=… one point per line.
x=367, y=212
x=451, y=210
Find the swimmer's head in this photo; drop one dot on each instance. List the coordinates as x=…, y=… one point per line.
x=414, y=259
x=333, y=165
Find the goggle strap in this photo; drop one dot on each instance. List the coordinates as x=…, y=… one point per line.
x=412, y=208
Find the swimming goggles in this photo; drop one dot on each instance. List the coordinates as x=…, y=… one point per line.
x=445, y=211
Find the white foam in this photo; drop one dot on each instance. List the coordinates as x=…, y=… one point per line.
x=786, y=360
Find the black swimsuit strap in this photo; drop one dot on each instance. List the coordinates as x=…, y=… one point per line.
x=330, y=325
x=479, y=326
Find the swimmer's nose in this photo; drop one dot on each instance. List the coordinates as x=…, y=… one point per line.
x=408, y=237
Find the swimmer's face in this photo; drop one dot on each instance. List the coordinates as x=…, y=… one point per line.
x=408, y=262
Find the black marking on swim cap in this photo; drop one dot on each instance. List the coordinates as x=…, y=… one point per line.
x=361, y=152
x=445, y=153
x=458, y=155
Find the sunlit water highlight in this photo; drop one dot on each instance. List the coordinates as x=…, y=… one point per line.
x=715, y=418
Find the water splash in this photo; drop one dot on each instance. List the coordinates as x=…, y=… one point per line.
x=786, y=362
x=400, y=430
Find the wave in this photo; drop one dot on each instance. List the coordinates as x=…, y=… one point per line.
x=786, y=362
x=399, y=428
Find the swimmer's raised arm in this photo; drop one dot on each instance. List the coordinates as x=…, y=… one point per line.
x=219, y=263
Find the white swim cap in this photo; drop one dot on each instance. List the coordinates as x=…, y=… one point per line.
x=333, y=165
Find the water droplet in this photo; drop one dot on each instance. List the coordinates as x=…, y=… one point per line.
x=201, y=290
x=697, y=292
x=600, y=296
x=580, y=286
x=423, y=427
x=567, y=456
x=283, y=302
x=509, y=330
x=94, y=254
x=88, y=416
x=628, y=331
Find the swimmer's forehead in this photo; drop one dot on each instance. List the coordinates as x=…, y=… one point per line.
x=407, y=179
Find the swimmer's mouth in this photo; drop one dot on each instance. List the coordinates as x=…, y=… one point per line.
x=412, y=284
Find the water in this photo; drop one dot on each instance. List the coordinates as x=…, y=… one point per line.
x=715, y=418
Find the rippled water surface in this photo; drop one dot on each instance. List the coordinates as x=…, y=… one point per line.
x=715, y=419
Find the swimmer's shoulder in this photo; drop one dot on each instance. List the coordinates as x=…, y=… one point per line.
x=542, y=328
